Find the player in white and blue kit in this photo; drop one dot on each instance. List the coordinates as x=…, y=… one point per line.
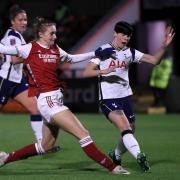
x=12, y=83
x=115, y=91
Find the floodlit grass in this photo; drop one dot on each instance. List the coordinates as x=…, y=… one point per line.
x=158, y=136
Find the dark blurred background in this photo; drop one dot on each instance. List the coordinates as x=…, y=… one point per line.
x=78, y=21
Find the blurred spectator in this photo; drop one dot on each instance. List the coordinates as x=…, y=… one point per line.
x=159, y=80
x=61, y=13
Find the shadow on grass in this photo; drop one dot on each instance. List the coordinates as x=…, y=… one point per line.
x=135, y=167
x=63, y=169
x=162, y=161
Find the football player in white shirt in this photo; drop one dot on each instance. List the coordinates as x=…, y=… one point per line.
x=11, y=75
x=114, y=89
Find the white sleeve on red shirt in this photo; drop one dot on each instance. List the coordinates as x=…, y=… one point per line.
x=10, y=50
x=65, y=57
x=21, y=51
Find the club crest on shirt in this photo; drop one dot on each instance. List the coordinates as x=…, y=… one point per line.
x=12, y=42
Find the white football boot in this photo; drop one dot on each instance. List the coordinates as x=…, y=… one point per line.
x=3, y=158
x=120, y=170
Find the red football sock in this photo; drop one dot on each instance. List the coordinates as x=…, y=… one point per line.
x=22, y=153
x=94, y=153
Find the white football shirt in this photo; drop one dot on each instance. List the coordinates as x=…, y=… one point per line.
x=116, y=84
x=8, y=70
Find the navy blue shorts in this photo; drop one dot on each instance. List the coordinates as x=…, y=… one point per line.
x=9, y=89
x=125, y=104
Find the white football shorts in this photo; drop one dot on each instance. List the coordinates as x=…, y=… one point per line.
x=50, y=103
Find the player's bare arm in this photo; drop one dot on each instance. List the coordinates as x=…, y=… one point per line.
x=168, y=37
x=16, y=60
x=91, y=70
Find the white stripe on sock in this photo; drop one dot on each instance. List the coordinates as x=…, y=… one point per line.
x=39, y=148
x=85, y=141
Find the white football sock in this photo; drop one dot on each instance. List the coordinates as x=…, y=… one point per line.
x=131, y=144
x=37, y=129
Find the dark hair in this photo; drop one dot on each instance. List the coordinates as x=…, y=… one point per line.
x=14, y=11
x=40, y=25
x=123, y=27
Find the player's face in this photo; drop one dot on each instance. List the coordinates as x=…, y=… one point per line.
x=19, y=23
x=49, y=36
x=121, y=40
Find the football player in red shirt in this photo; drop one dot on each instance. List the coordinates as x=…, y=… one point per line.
x=42, y=60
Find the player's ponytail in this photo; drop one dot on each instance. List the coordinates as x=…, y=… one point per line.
x=40, y=25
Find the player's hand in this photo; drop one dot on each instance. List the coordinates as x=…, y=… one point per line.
x=1, y=56
x=1, y=59
x=168, y=37
x=105, y=53
x=108, y=70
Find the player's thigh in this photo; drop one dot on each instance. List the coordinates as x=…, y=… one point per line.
x=69, y=122
x=30, y=103
x=119, y=119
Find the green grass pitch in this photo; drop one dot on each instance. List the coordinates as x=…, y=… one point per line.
x=158, y=136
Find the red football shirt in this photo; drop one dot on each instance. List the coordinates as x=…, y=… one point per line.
x=43, y=65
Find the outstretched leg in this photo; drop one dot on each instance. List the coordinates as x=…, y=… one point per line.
x=69, y=122
x=50, y=135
